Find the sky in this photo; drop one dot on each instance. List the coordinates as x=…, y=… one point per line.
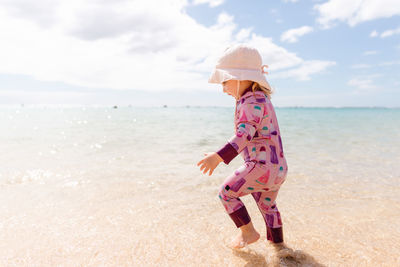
x=320, y=53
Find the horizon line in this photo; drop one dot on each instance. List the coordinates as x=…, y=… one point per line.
x=171, y=106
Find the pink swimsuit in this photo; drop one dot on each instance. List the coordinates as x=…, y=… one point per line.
x=258, y=139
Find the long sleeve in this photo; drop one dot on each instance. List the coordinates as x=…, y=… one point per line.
x=250, y=116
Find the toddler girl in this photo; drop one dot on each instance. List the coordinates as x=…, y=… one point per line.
x=257, y=138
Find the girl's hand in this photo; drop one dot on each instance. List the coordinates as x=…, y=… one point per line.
x=209, y=162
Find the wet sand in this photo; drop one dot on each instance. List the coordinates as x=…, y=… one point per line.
x=124, y=223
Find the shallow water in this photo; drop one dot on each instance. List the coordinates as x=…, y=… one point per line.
x=120, y=187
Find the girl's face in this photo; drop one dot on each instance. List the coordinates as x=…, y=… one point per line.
x=230, y=87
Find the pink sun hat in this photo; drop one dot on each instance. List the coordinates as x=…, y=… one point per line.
x=240, y=62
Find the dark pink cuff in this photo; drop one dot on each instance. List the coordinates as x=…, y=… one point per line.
x=240, y=217
x=275, y=234
x=227, y=153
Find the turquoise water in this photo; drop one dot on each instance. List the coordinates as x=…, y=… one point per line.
x=98, y=185
x=358, y=141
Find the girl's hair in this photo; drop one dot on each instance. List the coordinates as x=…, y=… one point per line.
x=257, y=87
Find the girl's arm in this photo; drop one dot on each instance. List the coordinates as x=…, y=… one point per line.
x=250, y=116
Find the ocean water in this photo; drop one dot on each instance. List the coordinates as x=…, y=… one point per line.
x=98, y=186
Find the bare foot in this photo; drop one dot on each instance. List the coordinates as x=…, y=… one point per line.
x=244, y=239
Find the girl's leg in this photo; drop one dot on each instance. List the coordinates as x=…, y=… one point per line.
x=235, y=186
x=266, y=204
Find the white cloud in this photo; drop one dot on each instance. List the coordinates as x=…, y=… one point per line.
x=365, y=84
x=361, y=66
x=306, y=69
x=41, y=12
x=293, y=35
x=274, y=56
x=125, y=44
x=243, y=34
x=274, y=11
x=388, y=33
x=211, y=3
x=361, y=83
x=291, y=1
x=389, y=63
x=373, y=34
x=355, y=11
x=371, y=52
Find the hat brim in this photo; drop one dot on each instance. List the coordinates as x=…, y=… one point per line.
x=221, y=75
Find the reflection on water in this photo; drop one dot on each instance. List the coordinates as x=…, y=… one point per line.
x=120, y=187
